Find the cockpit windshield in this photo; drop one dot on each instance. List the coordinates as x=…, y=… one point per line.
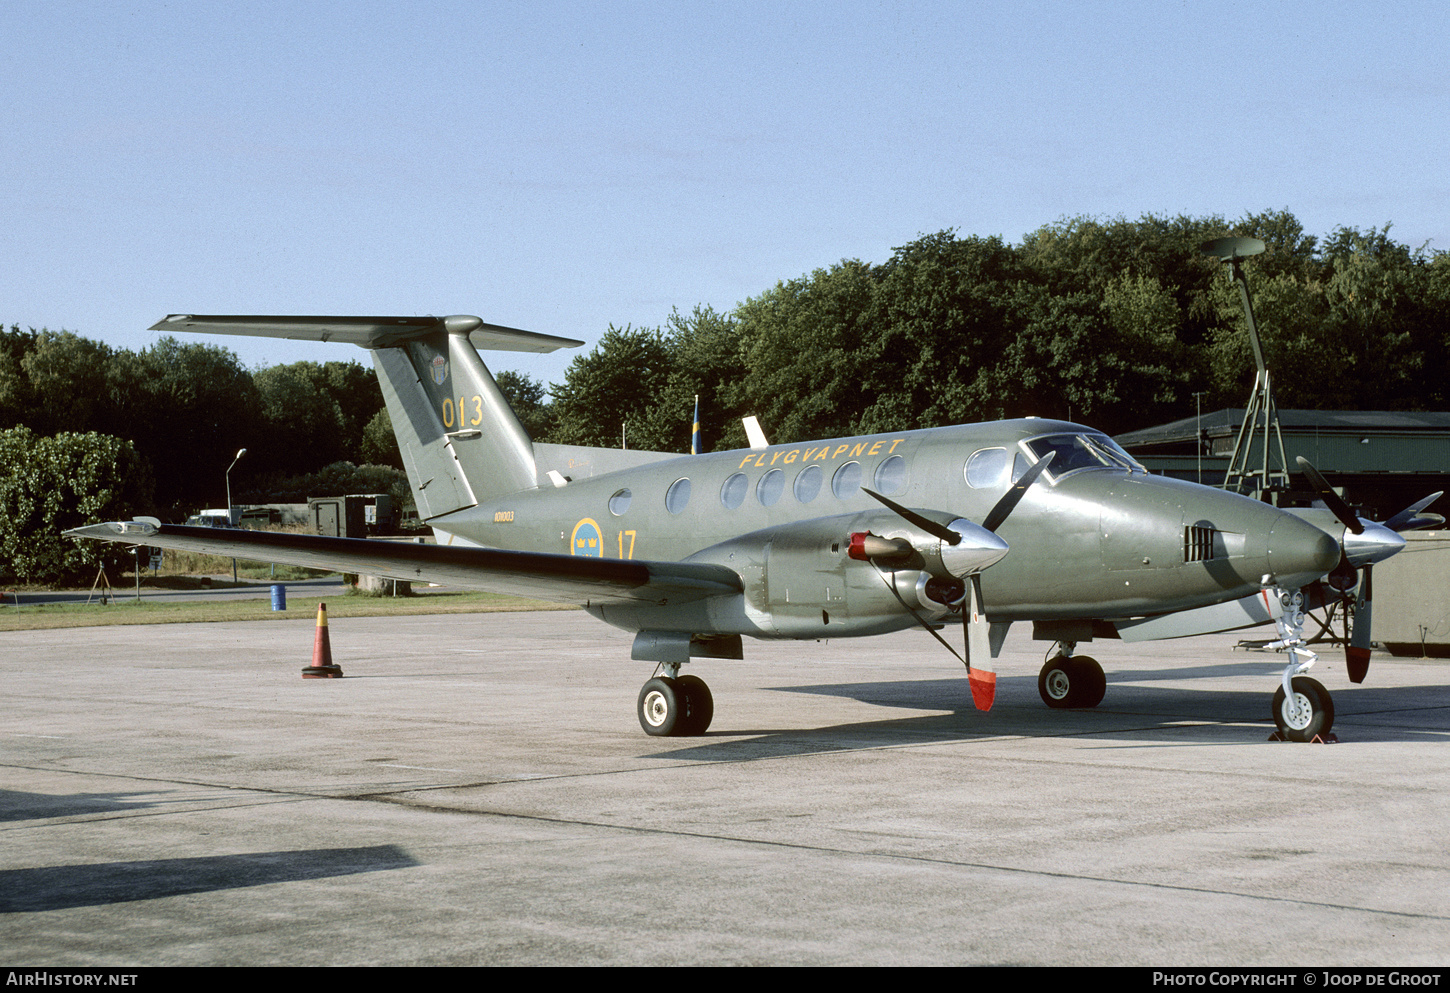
x=1083, y=451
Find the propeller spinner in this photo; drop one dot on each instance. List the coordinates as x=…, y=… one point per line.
x=1364, y=543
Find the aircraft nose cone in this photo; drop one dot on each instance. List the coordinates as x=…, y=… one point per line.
x=978, y=549
x=1376, y=544
x=1299, y=552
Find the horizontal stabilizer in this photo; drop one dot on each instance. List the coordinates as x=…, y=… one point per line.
x=369, y=332
x=560, y=578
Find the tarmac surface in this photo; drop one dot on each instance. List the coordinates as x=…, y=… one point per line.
x=477, y=791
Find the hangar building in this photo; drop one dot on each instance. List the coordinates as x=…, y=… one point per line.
x=1382, y=460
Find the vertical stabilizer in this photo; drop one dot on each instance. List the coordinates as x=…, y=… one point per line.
x=461, y=442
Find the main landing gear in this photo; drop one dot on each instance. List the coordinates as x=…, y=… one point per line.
x=674, y=706
x=1070, y=681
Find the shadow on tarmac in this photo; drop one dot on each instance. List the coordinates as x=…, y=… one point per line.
x=63, y=886
x=18, y=805
x=1197, y=716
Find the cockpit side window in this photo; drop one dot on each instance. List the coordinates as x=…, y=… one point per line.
x=1082, y=451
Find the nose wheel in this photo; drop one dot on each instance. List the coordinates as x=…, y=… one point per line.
x=673, y=708
x=1068, y=682
x=1308, y=714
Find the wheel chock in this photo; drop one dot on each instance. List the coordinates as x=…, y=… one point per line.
x=1326, y=739
x=321, y=667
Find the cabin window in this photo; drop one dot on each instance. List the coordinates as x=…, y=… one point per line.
x=808, y=483
x=619, y=503
x=985, y=469
x=847, y=480
x=732, y=494
x=770, y=487
x=890, y=476
x=677, y=497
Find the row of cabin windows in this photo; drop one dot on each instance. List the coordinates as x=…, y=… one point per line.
x=985, y=468
x=890, y=478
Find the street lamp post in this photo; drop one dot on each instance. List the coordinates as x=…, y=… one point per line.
x=240, y=453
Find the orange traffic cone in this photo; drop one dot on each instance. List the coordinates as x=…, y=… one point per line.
x=321, y=667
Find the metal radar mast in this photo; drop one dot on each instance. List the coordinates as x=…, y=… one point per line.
x=1261, y=419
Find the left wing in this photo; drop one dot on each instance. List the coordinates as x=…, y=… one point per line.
x=561, y=578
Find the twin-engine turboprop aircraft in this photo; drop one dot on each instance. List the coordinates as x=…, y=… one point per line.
x=994, y=523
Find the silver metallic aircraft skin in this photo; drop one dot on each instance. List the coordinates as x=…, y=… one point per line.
x=761, y=542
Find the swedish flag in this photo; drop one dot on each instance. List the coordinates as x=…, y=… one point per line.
x=695, y=431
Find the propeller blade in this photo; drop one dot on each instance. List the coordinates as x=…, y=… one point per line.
x=932, y=528
x=1410, y=518
x=1331, y=499
x=981, y=675
x=1014, y=494
x=1356, y=653
x=999, y=513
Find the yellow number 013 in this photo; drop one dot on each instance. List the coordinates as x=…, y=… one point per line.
x=463, y=417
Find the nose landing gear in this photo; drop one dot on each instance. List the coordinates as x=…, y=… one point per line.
x=1309, y=714
x=1303, y=708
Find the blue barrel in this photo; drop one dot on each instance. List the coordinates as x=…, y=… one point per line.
x=279, y=596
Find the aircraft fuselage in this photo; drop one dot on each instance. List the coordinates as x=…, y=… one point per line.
x=1095, y=538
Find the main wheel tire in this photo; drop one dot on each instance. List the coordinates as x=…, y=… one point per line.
x=1056, y=683
x=1309, y=715
x=1068, y=683
x=699, y=705
x=662, y=709
x=1091, y=682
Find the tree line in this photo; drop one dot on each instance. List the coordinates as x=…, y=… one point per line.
x=1118, y=323
x=187, y=408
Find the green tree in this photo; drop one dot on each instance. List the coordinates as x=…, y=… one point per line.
x=804, y=344
x=336, y=479
x=705, y=362
x=198, y=406
x=529, y=402
x=67, y=376
x=354, y=388
x=304, y=422
x=379, y=444
x=610, y=387
x=940, y=323
x=17, y=398
x=50, y=484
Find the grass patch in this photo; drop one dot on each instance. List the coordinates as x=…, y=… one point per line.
x=126, y=610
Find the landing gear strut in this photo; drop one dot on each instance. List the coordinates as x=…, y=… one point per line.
x=1070, y=681
x=671, y=707
x=1303, y=708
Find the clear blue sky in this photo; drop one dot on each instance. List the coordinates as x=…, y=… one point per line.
x=561, y=167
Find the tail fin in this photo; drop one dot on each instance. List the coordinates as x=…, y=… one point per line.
x=461, y=442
